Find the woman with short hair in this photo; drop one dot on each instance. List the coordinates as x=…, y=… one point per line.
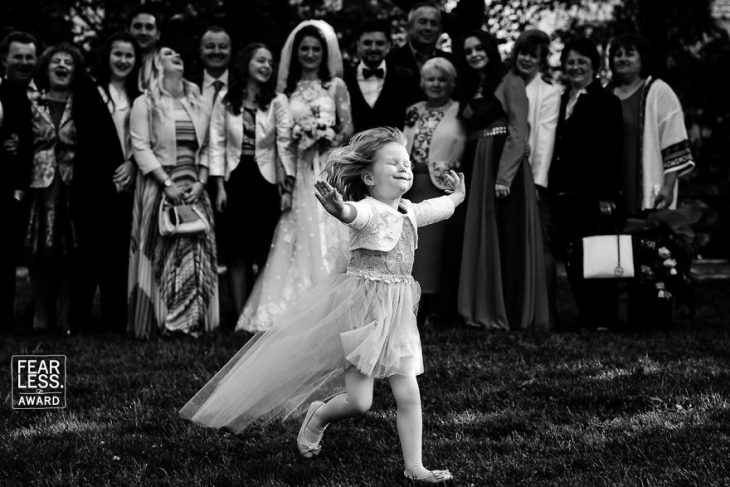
x=656, y=148
x=69, y=190
x=584, y=177
x=435, y=141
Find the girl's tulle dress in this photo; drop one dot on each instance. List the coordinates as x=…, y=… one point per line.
x=363, y=319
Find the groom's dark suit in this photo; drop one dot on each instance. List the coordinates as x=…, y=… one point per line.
x=400, y=90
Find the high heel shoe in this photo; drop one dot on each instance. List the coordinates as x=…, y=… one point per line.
x=306, y=448
x=433, y=477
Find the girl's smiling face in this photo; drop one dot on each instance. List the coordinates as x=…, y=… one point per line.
x=121, y=59
x=261, y=66
x=475, y=53
x=390, y=175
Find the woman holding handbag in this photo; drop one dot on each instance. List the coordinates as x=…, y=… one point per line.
x=584, y=178
x=252, y=164
x=173, y=283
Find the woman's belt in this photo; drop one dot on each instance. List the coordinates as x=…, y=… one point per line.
x=488, y=132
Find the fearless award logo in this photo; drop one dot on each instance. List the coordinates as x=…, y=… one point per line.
x=39, y=381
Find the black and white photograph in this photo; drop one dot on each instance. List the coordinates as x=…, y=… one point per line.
x=365, y=243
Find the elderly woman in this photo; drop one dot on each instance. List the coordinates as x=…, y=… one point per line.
x=502, y=281
x=584, y=176
x=436, y=141
x=655, y=146
x=173, y=284
x=70, y=187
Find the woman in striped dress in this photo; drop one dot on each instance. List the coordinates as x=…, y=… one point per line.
x=173, y=285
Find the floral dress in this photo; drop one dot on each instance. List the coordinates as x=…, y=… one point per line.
x=308, y=243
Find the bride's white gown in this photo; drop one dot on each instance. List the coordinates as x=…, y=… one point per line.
x=308, y=243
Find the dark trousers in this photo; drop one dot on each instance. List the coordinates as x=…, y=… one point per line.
x=102, y=261
x=14, y=213
x=574, y=216
x=551, y=274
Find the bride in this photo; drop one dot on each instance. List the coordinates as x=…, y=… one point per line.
x=308, y=243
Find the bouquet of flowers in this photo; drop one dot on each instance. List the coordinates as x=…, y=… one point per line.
x=663, y=252
x=316, y=128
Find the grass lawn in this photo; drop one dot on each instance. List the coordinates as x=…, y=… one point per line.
x=569, y=409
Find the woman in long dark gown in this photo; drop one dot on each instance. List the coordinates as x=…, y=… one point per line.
x=502, y=281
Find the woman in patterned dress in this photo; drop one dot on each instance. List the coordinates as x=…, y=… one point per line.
x=69, y=187
x=308, y=243
x=173, y=285
x=435, y=141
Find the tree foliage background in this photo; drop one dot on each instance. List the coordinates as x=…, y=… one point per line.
x=692, y=50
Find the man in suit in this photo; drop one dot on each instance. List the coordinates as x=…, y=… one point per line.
x=380, y=91
x=423, y=28
x=144, y=26
x=465, y=16
x=19, y=56
x=215, y=54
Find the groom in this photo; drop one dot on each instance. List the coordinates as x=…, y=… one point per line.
x=380, y=91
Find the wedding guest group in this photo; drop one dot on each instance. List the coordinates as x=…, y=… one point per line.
x=149, y=184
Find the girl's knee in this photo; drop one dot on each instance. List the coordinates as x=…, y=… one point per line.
x=406, y=393
x=361, y=404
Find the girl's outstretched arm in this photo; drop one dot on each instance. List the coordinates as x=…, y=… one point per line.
x=332, y=201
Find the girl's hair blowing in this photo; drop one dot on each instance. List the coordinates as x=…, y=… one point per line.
x=345, y=165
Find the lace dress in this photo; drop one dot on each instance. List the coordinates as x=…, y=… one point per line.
x=363, y=319
x=308, y=243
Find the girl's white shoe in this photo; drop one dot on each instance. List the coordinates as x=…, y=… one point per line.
x=306, y=448
x=431, y=477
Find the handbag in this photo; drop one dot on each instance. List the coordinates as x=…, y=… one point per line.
x=181, y=220
x=608, y=257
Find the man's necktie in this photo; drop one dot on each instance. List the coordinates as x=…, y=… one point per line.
x=217, y=86
x=368, y=73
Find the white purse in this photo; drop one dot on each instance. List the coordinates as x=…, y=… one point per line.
x=608, y=257
x=181, y=220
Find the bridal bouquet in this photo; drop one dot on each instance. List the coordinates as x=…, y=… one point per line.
x=316, y=128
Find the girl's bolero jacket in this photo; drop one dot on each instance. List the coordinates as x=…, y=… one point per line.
x=378, y=226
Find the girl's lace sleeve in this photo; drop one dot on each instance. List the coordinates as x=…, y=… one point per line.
x=433, y=210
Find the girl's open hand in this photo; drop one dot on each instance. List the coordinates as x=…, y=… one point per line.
x=455, y=186
x=454, y=182
x=330, y=198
